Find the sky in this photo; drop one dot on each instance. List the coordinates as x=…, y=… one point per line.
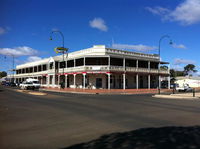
x=134, y=25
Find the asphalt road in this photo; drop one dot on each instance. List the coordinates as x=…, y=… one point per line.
x=58, y=120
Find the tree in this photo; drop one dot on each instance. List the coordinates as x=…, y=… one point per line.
x=3, y=74
x=189, y=68
x=163, y=67
x=173, y=75
x=179, y=73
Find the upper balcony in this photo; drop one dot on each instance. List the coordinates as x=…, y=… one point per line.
x=92, y=68
x=111, y=69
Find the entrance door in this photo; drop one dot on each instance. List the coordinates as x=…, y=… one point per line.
x=98, y=82
x=141, y=82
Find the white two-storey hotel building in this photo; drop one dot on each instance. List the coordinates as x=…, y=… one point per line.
x=97, y=67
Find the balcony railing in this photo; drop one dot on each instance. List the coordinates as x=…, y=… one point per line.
x=94, y=68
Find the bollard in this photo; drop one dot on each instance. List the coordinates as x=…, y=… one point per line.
x=159, y=91
x=173, y=90
x=193, y=92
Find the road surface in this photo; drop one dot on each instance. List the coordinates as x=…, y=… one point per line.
x=58, y=120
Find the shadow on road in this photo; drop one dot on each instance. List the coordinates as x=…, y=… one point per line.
x=147, y=138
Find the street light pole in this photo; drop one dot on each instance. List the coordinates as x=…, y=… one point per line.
x=13, y=67
x=159, y=54
x=63, y=51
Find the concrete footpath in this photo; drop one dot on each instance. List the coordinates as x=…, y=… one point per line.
x=179, y=96
x=106, y=91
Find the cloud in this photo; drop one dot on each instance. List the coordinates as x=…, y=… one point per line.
x=186, y=13
x=139, y=47
x=158, y=10
x=179, y=61
x=179, y=46
x=4, y=30
x=54, y=29
x=98, y=23
x=18, y=51
x=33, y=58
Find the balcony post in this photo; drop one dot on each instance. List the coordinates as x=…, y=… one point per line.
x=74, y=80
x=84, y=61
x=66, y=81
x=53, y=81
x=124, y=63
x=124, y=81
x=149, y=65
x=48, y=80
x=136, y=64
x=149, y=81
x=84, y=80
x=108, y=80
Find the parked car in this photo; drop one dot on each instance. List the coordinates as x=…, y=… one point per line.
x=3, y=83
x=26, y=85
x=7, y=84
x=30, y=84
x=183, y=88
x=35, y=82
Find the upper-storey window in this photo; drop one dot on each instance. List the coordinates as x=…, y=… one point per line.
x=154, y=65
x=143, y=64
x=51, y=65
x=116, y=61
x=130, y=63
x=80, y=62
x=31, y=69
x=35, y=69
x=96, y=61
x=62, y=64
x=39, y=68
x=44, y=67
x=70, y=63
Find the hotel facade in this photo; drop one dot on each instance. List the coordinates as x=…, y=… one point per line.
x=97, y=67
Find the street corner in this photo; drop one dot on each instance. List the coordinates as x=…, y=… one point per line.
x=38, y=93
x=177, y=96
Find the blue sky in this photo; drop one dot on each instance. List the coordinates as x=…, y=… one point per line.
x=136, y=25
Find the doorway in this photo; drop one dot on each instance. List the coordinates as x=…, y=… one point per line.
x=98, y=82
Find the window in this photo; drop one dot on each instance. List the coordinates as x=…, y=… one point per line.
x=70, y=63
x=96, y=61
x=62, y=64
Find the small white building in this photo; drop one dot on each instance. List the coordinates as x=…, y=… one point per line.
x=96, y=67
x=191, y=81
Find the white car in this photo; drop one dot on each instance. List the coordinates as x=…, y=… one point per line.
x=184, y=88
x=26, y=85
x=30, y=84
